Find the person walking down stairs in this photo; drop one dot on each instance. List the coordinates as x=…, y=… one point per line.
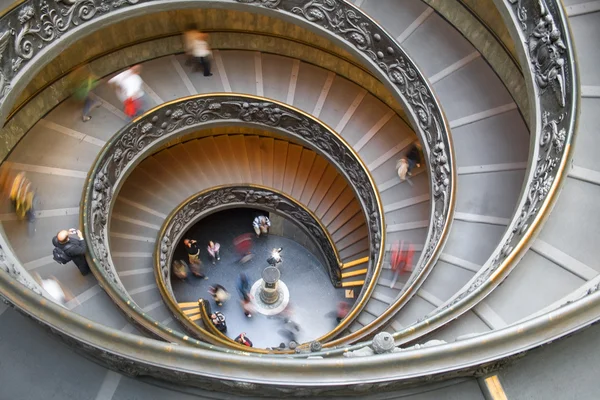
x=83, y=94
x=410, y=161
x=201, y=52
x=129, y=87
x=70, y=246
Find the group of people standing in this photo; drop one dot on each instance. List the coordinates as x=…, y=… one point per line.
x=219, y=294
x=180, y=268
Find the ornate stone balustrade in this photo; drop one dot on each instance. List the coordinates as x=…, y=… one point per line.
x=141, y=137
x=543, y=35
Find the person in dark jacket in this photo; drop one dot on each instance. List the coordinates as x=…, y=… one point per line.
x=72, y=244
x=218, y=320
x=243, y=286
x=413, y=156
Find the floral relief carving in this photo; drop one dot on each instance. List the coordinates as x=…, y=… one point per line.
x=546, y=48
x=35, y=24
x=17, y=272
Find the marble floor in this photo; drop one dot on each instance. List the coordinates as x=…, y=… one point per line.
x=313, y=299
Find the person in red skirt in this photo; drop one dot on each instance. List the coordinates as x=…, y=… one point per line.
x=401, y=260
x=243, y=246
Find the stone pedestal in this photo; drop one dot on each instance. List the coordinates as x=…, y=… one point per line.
x=269, y=293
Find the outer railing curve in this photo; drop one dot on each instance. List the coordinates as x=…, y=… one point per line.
x=540, y=30
x=475, y=356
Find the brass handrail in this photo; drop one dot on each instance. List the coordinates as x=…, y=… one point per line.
x=154, y=358
x=127, y=148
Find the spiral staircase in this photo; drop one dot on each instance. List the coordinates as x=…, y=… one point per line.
x=501, y=214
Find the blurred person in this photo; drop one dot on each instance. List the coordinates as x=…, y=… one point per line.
x=180, y=269
x=261, y=225
x=129, y=87
x=402, y=168
x=193, y=251
x=290, y=331
x=275, y=257
x=247, y=307
x=287, y=313
x=69, y=245
x=400, y=260
x=189, y=36
x=243, y=339
x=218, y=320
x=22, y=197
x=53, y=287
x=413, y=157
x=219, y=294
x=243, y=286
x=201, y=53
x=83, y=92
x=410, y=161
x=342, y=310
x=214, y=251
x=243, y=246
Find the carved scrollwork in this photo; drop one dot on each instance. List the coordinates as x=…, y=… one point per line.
x=546, y=47
x=17, y=272
x=36, y=24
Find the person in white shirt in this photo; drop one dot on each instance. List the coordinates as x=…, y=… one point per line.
x=53, y=287
x=201, y=52
x=261, y=225
x=129, y=87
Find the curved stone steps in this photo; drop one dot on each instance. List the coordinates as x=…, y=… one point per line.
x=368, y=125
x=562, y=262
x=164, y=173
x=363, y=120
x=371, y=128
x=491, y=143
x=95, y=375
